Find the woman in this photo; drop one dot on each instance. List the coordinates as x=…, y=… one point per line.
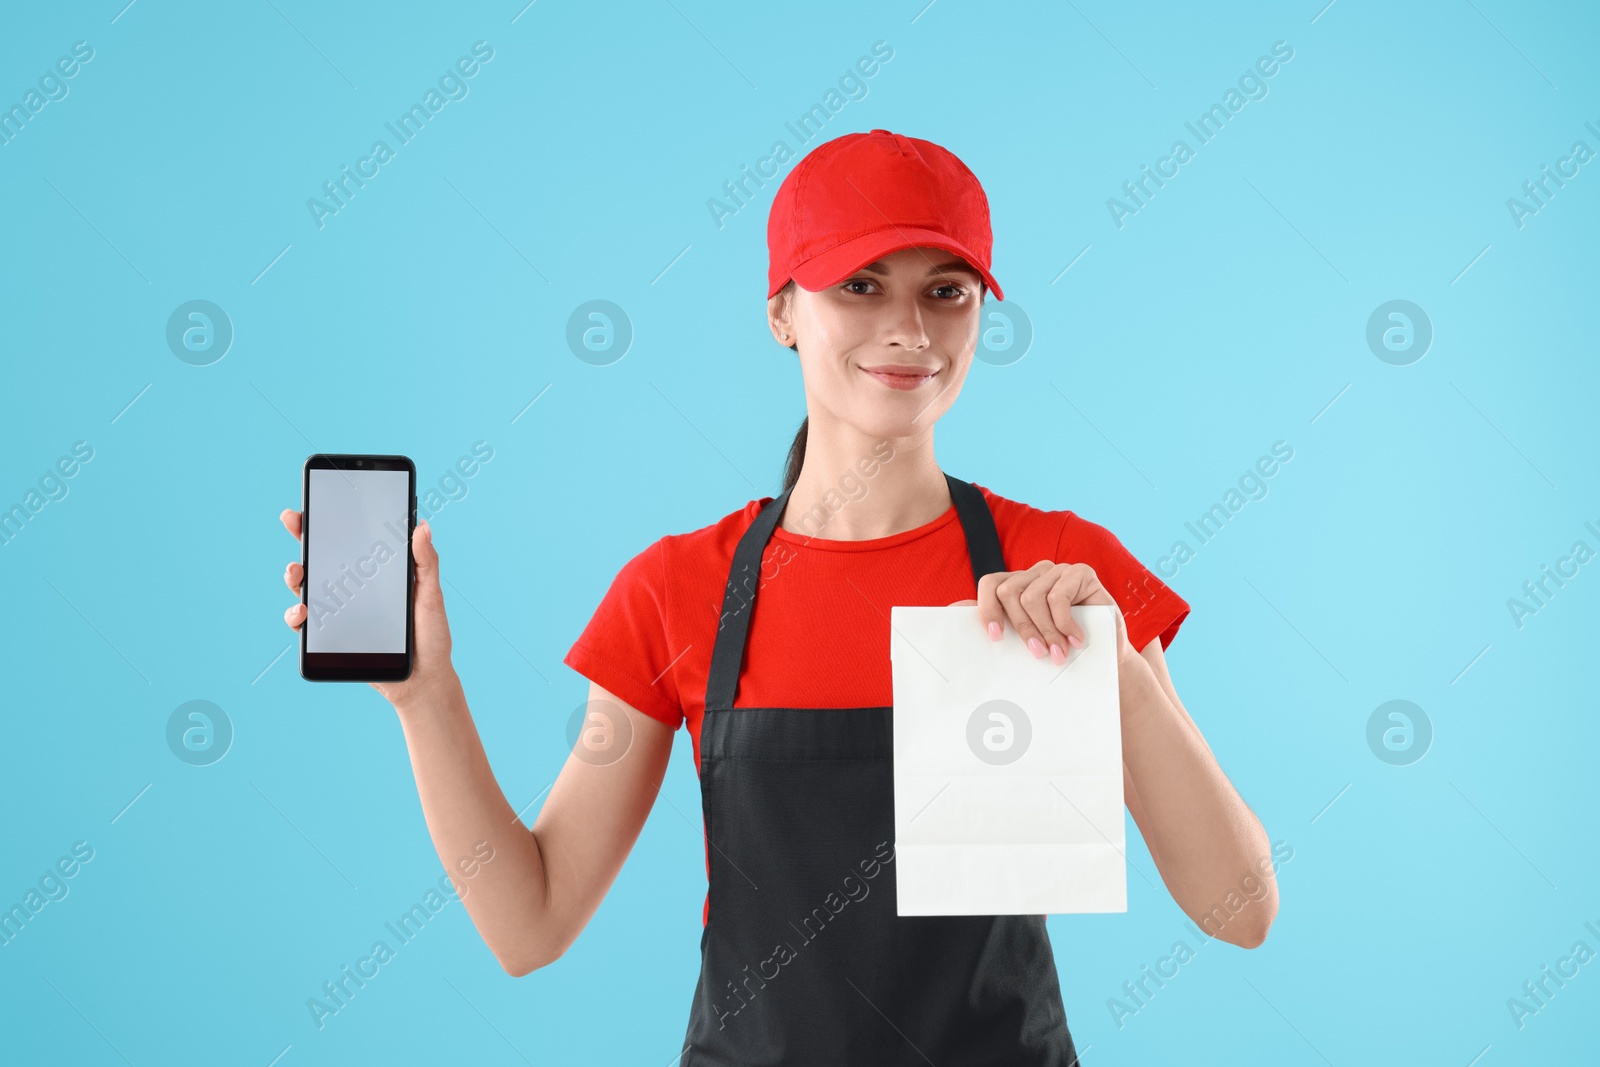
x=879, y=265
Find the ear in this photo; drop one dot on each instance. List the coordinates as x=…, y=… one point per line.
x=780, y=318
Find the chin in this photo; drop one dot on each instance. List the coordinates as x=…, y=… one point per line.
x=881, y=424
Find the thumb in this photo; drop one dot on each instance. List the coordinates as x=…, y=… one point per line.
x=428, y=592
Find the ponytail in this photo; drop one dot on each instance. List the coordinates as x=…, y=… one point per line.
x=797, y=455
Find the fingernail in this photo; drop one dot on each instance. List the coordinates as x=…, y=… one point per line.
x=1074, y=641
x=1036, y=646
x=427, y=531
x=1057, y=656
x=994, y=631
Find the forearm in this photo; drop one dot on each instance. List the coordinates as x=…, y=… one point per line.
x=464, y=806
x=1205, y=839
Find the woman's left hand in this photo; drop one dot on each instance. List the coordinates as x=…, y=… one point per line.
x=1038, y=603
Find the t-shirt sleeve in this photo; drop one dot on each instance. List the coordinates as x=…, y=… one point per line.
x=1149, y=608
x=624, y=647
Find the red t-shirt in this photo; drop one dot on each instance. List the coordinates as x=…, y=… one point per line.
x=819, y=637
x=820, y=634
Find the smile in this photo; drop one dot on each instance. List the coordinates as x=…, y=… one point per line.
x=901, y=377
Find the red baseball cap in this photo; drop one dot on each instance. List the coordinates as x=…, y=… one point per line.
x=857, y=198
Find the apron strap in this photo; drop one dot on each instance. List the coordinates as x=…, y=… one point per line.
x=738, y=604
x=744, y=577
x=977, y=522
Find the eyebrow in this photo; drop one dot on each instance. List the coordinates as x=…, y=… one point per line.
x=955, y=266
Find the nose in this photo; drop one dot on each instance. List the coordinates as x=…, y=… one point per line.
x=904, y=326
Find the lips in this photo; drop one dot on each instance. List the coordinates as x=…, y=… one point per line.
x=898, y=376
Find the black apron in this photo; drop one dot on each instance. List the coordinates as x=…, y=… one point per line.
x=803, y=959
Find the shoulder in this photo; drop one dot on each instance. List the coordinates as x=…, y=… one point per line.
x=715, y=541
x=678, y=558
x=1015, y=512
x=1150, y=608
x=1058, y=534
x=1027, y=534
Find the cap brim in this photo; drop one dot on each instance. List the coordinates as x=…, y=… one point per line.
x=834, y=265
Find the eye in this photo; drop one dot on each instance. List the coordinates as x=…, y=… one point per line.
x=958, y=291
x=855, y=281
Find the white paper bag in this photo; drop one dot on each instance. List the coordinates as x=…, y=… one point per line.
x=1007, y=769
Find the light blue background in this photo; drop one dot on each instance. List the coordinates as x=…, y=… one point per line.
x=1228, y=314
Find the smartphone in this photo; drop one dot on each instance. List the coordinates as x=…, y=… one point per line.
x=357, y=514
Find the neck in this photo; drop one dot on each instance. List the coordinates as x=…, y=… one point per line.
x=855, y=487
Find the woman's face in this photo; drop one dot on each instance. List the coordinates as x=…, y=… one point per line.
x=887, y=348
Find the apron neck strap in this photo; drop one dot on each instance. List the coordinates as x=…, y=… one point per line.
x=744, y=578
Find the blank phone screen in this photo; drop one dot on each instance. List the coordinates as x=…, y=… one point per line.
x=356, y=571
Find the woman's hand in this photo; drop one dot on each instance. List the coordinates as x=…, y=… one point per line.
x=431, y=671
x=1038, y=602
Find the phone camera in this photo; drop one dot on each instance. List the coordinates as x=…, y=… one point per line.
x=361, y=463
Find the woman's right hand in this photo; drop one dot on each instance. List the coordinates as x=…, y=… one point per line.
x=431, y=671
x=545, y=883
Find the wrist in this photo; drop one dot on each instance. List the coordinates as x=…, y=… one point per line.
x=430, y=699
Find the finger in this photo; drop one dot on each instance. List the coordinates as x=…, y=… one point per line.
x=991, y=613
x=1080, y=586
x=295, y=616
x=293, y=576
x=1009, y=593
x=291, y=521
x=429, y=596
x=1037, y=600
x=1077, y=585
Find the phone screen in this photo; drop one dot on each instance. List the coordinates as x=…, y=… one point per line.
x=357, y=578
